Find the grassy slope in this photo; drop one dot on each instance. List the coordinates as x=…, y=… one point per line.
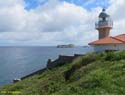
x=104, y=76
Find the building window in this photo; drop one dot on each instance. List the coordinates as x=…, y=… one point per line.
x=115, y=45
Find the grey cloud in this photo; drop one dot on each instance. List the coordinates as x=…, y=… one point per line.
x=54, y=23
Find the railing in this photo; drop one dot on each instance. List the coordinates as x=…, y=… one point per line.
x=103, y=24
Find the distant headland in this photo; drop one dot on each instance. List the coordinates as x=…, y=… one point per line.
x=66, y=46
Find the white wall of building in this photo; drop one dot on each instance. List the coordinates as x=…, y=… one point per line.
x=99, y=48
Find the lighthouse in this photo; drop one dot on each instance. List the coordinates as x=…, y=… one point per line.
x=104, y=24
x=105, y=41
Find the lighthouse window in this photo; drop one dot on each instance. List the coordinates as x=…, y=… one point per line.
x=107, y=19
x=115, y=45
x=100, y=19
x=104, y=18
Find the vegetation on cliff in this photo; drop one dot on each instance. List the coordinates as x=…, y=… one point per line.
x=92, y=74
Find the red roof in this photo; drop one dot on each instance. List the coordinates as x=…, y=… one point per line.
x=120, y=39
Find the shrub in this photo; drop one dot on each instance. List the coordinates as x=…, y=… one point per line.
x=81, y=62
x=90, y=84
x=115, y=56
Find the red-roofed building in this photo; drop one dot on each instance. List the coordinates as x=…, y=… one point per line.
x=109, y=43
x=106, y=42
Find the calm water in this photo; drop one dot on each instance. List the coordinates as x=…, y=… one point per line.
x=16, y=62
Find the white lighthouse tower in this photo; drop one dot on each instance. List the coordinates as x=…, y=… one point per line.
x=104, y=24
x=106, y=42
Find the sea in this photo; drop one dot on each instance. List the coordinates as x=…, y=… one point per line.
x=16, y=62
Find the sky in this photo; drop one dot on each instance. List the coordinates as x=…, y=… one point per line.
x=53, y=22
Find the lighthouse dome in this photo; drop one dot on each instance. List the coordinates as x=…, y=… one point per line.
x=103, y=14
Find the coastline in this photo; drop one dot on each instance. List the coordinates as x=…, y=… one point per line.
x=88, y=74
x=61, y=60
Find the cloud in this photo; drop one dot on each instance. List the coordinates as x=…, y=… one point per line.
x=54, y=23
x=10, y=3
x=12, y=15
x=62, y=17
x=116, y=10
x=89, y=2
x=41, y=24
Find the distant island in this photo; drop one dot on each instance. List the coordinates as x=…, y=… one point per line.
x=85, y=46
x=66, y=46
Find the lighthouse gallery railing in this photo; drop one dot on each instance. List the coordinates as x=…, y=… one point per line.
x=103, y=24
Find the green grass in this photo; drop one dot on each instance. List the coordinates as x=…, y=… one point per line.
x=104, y=75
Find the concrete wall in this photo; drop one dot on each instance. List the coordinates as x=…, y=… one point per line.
x=100, y=48
x=61, y=60
x=34, y=73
